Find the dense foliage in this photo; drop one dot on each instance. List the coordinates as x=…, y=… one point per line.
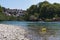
x=41, y=11
x=44, y=10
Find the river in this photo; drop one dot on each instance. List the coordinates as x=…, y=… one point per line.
x=53, y=28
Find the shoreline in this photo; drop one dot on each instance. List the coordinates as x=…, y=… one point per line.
x=11, y=32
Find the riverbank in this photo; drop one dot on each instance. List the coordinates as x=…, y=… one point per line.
x=11, y=32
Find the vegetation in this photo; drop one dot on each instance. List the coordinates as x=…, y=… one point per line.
x=42, y=11
x=45, y=10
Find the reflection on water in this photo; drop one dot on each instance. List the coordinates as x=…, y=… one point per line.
x=48, y=25
x=52, y=30
x=35, y=29
x=55, y=26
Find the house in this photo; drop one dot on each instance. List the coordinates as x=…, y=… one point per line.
x=14, y=12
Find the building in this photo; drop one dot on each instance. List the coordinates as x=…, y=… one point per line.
x=14, y=12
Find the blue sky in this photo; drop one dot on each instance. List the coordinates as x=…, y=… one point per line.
x=22, y=4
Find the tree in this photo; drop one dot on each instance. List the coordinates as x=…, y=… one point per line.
x=32, y=9
x=47, y=10
x=0, y=8
x=57, y=9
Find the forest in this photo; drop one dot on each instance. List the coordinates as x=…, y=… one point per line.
x=43, y=11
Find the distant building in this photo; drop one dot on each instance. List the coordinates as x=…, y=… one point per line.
x=14, y=12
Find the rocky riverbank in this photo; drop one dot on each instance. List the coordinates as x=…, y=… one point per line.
x=11, y=32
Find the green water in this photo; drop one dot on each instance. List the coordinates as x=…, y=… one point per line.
x=35, y=26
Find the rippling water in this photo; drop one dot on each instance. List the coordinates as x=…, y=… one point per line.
x=53, y=28
x=32, y=25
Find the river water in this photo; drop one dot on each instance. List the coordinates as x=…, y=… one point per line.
x=34, y=29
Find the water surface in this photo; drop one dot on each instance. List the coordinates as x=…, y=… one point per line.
x=53, y=28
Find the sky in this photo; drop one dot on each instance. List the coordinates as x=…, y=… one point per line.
x=22, y=4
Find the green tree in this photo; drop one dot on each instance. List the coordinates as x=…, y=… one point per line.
x=57, y=9
x=0, y=8
x=32, y=9
x=47, y=10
